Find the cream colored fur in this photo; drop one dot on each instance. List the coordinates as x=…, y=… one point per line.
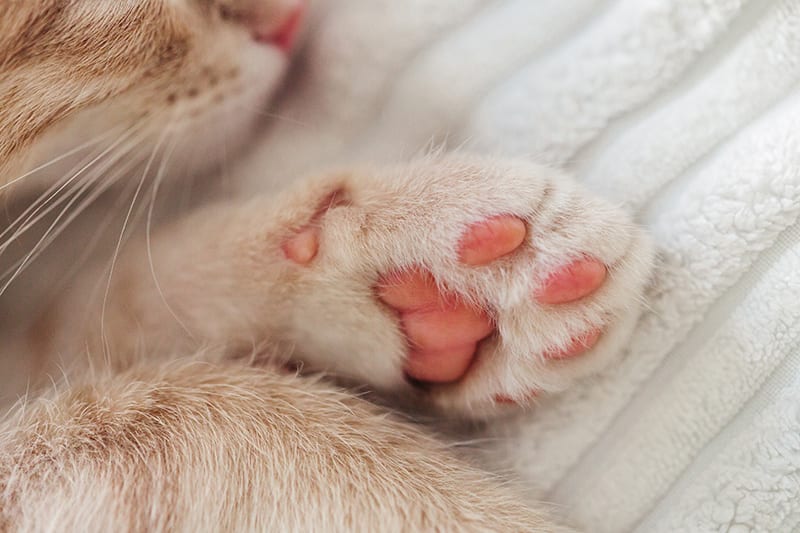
x=175, y=412
x=214, y=446
x=228, y=283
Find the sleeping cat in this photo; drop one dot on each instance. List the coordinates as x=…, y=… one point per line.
x=463, y=284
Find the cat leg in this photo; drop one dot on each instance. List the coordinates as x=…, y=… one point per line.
x=217, y=277
x=507, y=275
x=201, y=444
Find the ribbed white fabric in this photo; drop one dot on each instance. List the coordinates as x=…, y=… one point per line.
x=689, y=113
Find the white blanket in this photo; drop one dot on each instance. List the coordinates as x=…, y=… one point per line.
x=686, y=111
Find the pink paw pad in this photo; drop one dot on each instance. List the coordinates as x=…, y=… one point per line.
x=577, y=280
x=491, y=239
x=302, y=246
x=578, y=346
x=443, y=333
x=508, y=400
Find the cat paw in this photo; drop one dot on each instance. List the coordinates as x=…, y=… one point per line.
x=471, y=283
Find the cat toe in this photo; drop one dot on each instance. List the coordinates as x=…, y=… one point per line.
x=516, y=401
x=302, y=247
x=577, y=346
x=572, y=282
x=490, y=239
x=409, y=290
x=429, y=367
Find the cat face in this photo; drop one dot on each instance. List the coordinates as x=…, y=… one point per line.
x=191, y=75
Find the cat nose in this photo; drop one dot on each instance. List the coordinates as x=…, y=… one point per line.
x=282, y=34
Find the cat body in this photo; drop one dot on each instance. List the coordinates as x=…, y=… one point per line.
x=451, y=282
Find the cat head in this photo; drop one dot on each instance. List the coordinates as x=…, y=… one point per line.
x=136, y=76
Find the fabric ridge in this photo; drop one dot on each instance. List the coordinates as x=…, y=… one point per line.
x=687, y=113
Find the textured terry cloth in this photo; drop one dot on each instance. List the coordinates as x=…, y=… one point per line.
x=688, y=113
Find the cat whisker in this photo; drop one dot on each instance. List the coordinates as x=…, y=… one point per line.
x=273, y=116
x=73, y=196
x=113, y=210
x=68, y=177
x=40, y=212
x=120, y=241
x=148, y=232
x=97, y=191
x=61, y=157
x=225, y=176
x=33, y=213
x=35, y=206
x=88, y=175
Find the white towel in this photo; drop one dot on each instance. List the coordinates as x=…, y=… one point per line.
x=686, y=111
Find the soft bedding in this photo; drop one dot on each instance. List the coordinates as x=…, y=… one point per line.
x=688, y=113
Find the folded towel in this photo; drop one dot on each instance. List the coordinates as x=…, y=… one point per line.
x=686, y=112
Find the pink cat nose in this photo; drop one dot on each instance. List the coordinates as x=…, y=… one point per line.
x=284, y=34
